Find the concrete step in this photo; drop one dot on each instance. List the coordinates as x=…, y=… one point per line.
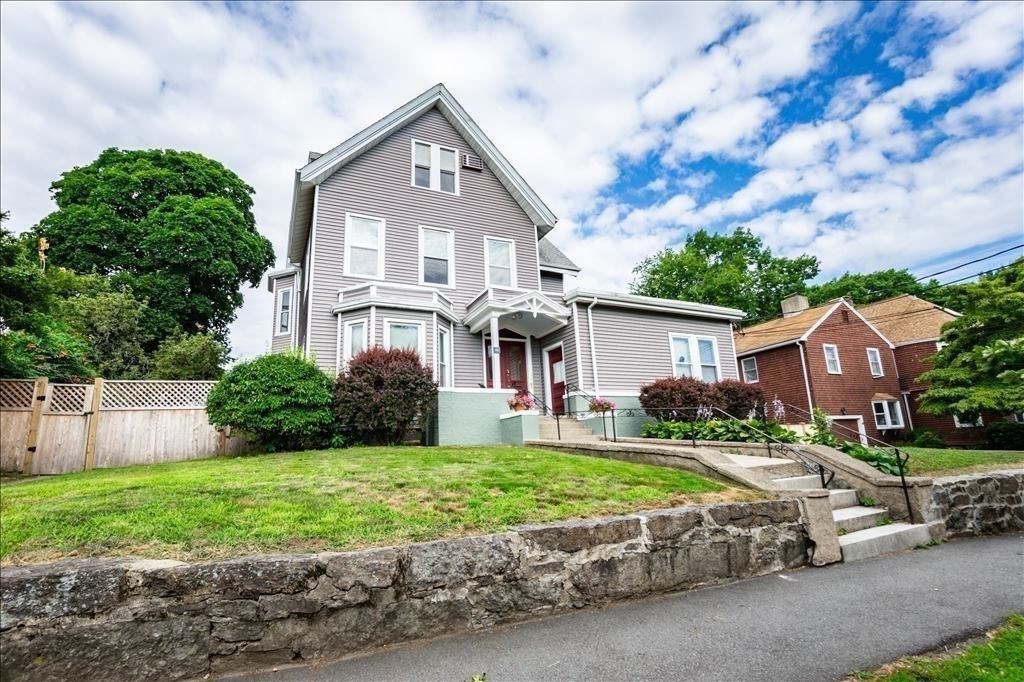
x=842, y=498
x=872, y=542
x=853, y=519
x=781, y=468
x=798, y=482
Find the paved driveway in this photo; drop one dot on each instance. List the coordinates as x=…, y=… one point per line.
x=810, y=624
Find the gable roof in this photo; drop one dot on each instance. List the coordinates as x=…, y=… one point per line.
x=907, y=318
x=551, y=257
x=321, y=168
x=782, y=331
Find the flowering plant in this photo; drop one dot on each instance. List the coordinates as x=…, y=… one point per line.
x=601, y=405
x=521, y=401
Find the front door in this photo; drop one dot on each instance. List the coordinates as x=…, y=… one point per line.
x=513, y=364
x=556, y=374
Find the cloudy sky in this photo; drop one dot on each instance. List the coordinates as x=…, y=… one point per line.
x=869, y=135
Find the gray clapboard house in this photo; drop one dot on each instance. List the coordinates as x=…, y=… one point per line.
x=417, y=232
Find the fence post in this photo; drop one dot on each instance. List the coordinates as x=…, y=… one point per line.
x=38, y=397
x=94, y=422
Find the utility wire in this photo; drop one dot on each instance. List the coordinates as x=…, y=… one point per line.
x=970, y=262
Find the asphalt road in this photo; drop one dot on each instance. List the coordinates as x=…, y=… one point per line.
x=810, y=624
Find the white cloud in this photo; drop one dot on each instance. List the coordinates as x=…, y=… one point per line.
x=727, y=131
x=1003, y=106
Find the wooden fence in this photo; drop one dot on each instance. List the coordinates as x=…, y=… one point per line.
x=56, y=428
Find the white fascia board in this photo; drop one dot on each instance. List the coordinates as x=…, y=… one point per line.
x=392, y=305
x=654, y=304
x=559, y=271
x=831, y=310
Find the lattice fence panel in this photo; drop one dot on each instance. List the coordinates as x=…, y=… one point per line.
x=149, y=395
x=16, y=394
x=67, y=398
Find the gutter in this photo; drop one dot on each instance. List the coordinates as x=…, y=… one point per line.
x=807, y=383
x=593, y=350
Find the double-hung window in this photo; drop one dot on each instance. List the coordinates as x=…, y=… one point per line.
x=403, y=334
x=284, y=311
x=749, y=366
x=887, y=414
x=443, y=363
x=435, y=167
x=875, y=362
x=437, y=257
x=355, y=339
x=694, y=356
x=832, y=359
x=364, y=246
x=500, y=262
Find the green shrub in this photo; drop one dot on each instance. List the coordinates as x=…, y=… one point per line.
x=1003, y=435
x=883, y=460
x=194, y=357
x=282, y=400
x=722, y=430
x=381, y=393
x=738, y=398
x=53, y=353
x=821, y=429
x=926, y=438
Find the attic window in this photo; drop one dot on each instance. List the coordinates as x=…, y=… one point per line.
x=435, y=167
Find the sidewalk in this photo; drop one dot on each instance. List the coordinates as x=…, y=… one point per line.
x=810, y=624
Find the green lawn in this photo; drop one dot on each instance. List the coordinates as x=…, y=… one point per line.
x=934, y=461
x=999, y=658
x=324, y=500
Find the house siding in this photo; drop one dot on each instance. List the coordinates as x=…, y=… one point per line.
x=552, y=283
x=378, y=184
x=283, y=342
x=780, y=375
x=566, y=338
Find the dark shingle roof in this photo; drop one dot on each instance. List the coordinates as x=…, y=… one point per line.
x=551, y=257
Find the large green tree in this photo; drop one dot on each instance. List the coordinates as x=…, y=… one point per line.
x=735, y=270
x=869, y=287
x=111, y=323
x=173, y=227
x=981, y=365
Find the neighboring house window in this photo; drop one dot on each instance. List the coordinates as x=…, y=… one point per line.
x=435, y=167
x=437, y=256
x=832, y=359
x=875, y=362
x=284, y=311
x=500, y=262
x=887, y=414
x=402, y=334
x=694, y=356
x=1018, y=417
x=749, y=370
x=966, y=423
x=443, y=358
x=364, y=246
x=355, y=339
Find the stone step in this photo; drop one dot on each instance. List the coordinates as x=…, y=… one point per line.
x=798, y=482
x=781, y=468
x=872, y=542
x=842, y=498
x=853, y=519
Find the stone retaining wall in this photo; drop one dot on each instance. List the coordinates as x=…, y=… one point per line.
x=123, y=619
x=991, y=502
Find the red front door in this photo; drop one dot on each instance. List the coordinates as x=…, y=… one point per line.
x=513, y=364
x=556, y=372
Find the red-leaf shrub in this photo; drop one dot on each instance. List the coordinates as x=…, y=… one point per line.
x=381, y=393
x=737, y=398
x=662, y=395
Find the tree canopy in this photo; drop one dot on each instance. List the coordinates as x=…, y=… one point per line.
x=981, y=365
x=735, y=270
x=170, y=226
x=869, y=287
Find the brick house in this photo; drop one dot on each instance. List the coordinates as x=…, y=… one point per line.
x=828, y=357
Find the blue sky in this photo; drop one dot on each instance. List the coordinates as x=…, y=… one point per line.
x=871, y=135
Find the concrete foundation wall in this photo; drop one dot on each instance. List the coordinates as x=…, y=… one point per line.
x=149, y=620
x=979, y=504
x=471, y=416
x=519, y=427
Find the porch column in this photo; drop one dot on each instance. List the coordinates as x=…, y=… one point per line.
x=495, y=353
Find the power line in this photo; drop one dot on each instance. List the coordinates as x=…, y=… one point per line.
x=970, y=262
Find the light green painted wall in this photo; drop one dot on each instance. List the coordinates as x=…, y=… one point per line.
x=520, y=427
x=624, y=427
x=471, y=417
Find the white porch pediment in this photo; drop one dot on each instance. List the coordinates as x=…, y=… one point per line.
x=530, y=314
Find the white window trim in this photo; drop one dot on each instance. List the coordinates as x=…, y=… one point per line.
x=388, y=321
x=291, y=310
x=443, y=331
x=346, y=352
x=487, y=263
x=878, y=356
x=692, y=340
x=435, y=167
x=380, y=246
x=451, y=258
x=899, y=413
x=839, y=365
x=979, y=422
x=743, y=370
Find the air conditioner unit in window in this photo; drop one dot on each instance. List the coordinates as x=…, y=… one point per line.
x=472, y=162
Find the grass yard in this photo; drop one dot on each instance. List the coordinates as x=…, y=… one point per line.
x=935, y=461
x=324, y=500
x=1001, y=657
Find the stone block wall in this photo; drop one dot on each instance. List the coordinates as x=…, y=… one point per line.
x=147, y=620
x=979, y=504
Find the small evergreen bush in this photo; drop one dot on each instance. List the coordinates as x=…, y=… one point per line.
x=926, y=438
x=281, y=400
x=381, y=392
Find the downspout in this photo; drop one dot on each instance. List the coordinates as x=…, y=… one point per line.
x=807, y=382
x=593, y=349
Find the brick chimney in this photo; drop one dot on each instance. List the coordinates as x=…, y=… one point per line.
x=794, y=305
